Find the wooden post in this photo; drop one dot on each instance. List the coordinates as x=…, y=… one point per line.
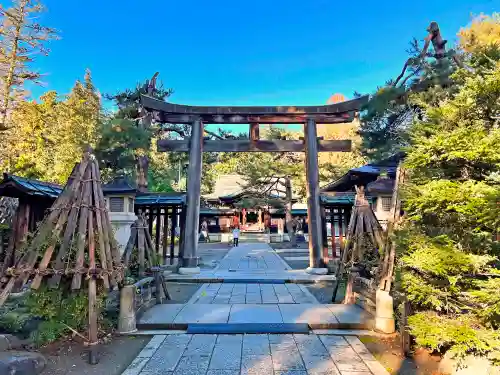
x=333, y=212
x=93, y=341
x=182, y=235
x=404, y=333
x=341, y=230
x=190, y=259
x=158, y=230
x=313, y=205
x=254, y=134
x=150, y=220
x=165, y=235
x=127, y=319
x=288, y=211
x=324, y=231
x=172, y=234
x=141, y=243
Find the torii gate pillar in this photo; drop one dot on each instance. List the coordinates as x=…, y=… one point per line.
x=316, y=264
x=189, y=261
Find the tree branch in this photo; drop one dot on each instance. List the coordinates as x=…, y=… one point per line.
x=173, y=129
x=214, y=134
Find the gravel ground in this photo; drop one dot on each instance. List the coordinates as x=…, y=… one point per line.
x=70, y=358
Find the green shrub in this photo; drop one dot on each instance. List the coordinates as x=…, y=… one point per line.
x=60, y=310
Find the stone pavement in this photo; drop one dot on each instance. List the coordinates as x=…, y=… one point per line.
x=178, y=316
x=250, y=299
x=231, y=293
x=253, y=262
x=183, y=354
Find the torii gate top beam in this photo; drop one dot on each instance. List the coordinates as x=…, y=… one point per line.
x=184, y=114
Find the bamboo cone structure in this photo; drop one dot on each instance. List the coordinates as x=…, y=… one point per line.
x=363, y=223
x=140, y=241
x=64, y=247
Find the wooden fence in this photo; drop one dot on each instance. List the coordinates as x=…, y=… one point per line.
x=162, y=221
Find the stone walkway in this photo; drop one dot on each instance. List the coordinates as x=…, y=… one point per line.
x=258, y=296
x=177, y=316
x=253, y=262
x=252, y=293
x=185, y=354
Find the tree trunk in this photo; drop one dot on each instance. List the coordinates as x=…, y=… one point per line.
x=288, y=212
x=142, y=164
x=142, y=161
x=9, y=80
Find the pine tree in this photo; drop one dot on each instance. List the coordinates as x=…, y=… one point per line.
x=48, y=137
x=22, y=39
x=448, y=244
x=270, y=174
x=139, y=148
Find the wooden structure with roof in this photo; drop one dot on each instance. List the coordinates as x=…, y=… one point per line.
x=163, y=212
x=231, y=196
x=197, y=116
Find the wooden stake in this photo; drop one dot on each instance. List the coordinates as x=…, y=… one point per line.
x=48, y=252
x=112, y=259
x=92, y=295
x=68, y=236
x=165, y=237
x=132, y=240
x=82, y=230
x=140, y=249
x=105, y=261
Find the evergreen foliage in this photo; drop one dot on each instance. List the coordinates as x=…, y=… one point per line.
x=48, y=137
x=22, y=39
x=448, y=265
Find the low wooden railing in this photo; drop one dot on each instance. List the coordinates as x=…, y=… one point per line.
x=365, y=291
x=136, y=298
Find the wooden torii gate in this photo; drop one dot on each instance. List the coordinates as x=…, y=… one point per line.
x=197, y=116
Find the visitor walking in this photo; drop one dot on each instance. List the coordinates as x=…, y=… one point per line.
x=204, y=231
x=236, y=236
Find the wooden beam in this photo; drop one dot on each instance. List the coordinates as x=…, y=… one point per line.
x=285, y=118
x=154, y=104
x=256, y=146
x=254, y=131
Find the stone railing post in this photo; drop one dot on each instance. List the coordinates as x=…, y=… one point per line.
x=127, y=319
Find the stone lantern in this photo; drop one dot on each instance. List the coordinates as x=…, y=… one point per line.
x=120, y=200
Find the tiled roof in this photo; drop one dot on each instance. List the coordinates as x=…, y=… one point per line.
x=151, y=199
x=365, y=174
x=341, y=198
x=119, y=185
x=226, y=186
x=233, y=185
x=381, y=185
x=16, y=187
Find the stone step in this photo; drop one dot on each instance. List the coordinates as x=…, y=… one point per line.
x=249, y=328
x=315, y=316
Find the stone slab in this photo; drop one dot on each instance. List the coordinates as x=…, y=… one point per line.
x=257, y=344
x=255, y=314
x=351, y=316
x=314, y=314
x=226, y=357
x=152, y=346
x=164, y=313
x=201, y=345
x=248, y=328
x=196, y=313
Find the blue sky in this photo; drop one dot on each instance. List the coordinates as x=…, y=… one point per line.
x=255, y=52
